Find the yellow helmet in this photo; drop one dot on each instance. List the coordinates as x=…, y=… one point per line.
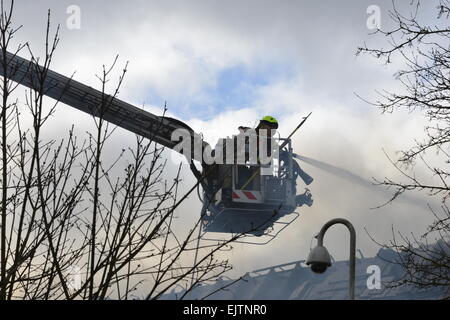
x=271, y=121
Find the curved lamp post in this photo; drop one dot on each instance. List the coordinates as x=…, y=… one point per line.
x=320, y=259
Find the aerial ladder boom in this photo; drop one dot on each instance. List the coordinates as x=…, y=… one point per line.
x=89, y=100
x=228, y=205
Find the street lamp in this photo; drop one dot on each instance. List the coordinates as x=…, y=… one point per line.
x=320, y=259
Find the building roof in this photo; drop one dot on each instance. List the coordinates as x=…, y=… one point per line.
x=296, y=281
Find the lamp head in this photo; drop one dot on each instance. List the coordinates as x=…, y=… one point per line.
x=319, y=259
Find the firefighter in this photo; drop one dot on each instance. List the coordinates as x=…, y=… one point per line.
x=270, y=124
x=249, y=177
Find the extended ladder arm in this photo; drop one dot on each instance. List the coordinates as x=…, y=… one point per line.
x=89, y=100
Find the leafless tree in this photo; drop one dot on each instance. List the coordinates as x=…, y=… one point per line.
x=75, y=224
x=424, y=50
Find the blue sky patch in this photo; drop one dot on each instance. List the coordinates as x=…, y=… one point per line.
x=235, y=88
